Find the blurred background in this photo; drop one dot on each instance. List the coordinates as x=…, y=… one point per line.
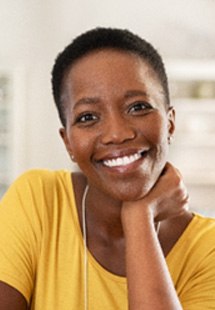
x=33, y=32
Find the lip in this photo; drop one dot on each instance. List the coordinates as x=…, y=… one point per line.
x=136, y=159
x=120, y=153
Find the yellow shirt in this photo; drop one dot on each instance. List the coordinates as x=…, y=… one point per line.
x=42, y=252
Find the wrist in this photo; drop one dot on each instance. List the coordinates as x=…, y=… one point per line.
x=136, y=216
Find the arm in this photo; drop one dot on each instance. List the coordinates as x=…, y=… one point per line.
x=149, y=282
x=11, y=299
x=18, y=245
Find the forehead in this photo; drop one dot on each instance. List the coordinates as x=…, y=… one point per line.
x=109, y=70
x=108, y=60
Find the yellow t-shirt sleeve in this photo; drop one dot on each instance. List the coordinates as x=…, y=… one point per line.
x=192, y=265
x=18, y=241
x=199, y=292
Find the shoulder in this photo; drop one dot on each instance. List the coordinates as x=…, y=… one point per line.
x=38, y=186
x=200, y=235
x=40, y=178
x=202, y=229
x=36, y=175
x=36, y=195
x=197, y=241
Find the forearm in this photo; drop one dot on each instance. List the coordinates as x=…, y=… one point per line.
x=149, y=282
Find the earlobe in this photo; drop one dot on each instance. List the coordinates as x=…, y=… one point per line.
x=171, y=120
x=170, y=139
x=171, y=124
x=62, y=132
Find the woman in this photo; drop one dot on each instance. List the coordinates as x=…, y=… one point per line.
x=118, y=234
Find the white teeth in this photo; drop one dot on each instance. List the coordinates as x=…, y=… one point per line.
x=122, y=161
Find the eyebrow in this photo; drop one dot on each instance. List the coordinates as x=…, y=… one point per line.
x=87, y=100
x=94, y=100
x=133, y=93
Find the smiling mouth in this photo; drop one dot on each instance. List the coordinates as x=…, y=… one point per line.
x=123, y=161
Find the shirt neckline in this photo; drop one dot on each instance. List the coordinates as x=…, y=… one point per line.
x=93, y=260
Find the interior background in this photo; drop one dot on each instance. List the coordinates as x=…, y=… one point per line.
x=33, y=32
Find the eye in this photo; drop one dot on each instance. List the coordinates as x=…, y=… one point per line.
x=86, y=118
x=140, y=106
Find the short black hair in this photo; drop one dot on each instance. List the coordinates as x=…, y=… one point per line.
x=98, y=39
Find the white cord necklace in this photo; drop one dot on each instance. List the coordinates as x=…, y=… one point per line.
x=85, y=261
x=84, y=227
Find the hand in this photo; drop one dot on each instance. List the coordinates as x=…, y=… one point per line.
x=168, y=197
x=149, y=282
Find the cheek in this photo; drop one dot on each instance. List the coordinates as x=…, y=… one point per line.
x=157, y=130
x=82, y=146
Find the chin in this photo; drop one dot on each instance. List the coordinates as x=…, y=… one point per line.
x=130, y=192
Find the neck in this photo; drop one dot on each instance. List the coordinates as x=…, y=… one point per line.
x=104, y=212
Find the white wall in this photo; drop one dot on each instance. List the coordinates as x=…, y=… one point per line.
x=27, y=43
x=33, y=32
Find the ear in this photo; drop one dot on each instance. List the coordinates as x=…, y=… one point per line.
x=63, y=134
x=171, y=122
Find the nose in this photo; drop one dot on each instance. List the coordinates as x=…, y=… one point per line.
x=117, y=130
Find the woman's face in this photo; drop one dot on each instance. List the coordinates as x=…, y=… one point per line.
x=117, y=124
